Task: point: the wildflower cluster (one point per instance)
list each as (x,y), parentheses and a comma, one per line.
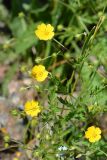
(32,108)
(59,93)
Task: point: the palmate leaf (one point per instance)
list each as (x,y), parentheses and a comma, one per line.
(26,40)
(24,36)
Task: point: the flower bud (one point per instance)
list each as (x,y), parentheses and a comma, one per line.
(79,155)
(100,14)
(23,68)
(67,55)
(38,136)
(6,145)
(53,142)
(33,122)
(54,55)
(14,112)
(47,137)
(7,138)
(38,60)
(37,87)
(6,46)
(36,153)
(60,27)
(21,15)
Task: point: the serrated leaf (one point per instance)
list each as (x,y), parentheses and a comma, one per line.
(65,102)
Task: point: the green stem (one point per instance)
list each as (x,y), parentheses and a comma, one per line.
(102,152)
(60,44)
(50,56)
(26,131)
(74,86)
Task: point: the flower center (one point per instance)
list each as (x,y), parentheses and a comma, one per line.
(46,33)
(40,74)
(94,135)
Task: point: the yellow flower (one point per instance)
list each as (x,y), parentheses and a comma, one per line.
(32,108)
(93,134)
(44,32)
(39,73)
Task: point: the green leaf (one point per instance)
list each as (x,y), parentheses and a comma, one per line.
(26,40)
(86,43)
(65,102)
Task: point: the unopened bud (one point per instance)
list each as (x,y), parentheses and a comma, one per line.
(47,137)
(21,14)
(38,135)
(6,145)
(36,154)
(37,87)
(53,142)
(38,60)
(67,55)
(7,138)
(79,155)
(90,108)
(23,68)
(6,46)
(54,55)
(60,27)
(14,112)
(33,122)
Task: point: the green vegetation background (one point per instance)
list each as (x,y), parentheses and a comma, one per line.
(74,21)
